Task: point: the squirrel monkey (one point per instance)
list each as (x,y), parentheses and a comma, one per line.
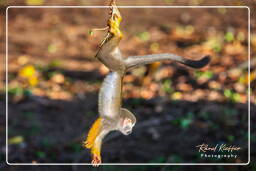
(112,115)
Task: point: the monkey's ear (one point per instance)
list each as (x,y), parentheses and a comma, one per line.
(93,133)
(128,114)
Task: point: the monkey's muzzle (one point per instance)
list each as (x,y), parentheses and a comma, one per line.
(128,132)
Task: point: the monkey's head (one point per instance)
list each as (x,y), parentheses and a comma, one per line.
(126,122)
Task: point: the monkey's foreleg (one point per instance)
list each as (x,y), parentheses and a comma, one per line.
(136,61)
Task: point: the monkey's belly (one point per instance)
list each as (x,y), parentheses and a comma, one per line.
(110,95)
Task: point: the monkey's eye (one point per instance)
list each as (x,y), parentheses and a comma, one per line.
(127,128)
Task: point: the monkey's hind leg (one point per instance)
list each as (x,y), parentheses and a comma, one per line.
(93,141)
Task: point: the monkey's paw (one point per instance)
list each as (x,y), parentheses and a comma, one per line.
(96,160)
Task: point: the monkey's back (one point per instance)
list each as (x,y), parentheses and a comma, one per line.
(110,95)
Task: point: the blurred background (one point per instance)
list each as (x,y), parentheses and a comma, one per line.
(54,81)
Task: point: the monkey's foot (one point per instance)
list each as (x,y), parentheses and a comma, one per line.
(96,160)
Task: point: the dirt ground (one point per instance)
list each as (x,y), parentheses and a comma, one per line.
(177,107)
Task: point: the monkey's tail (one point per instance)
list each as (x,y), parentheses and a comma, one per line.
(93,133)
(196,63)
(136,61)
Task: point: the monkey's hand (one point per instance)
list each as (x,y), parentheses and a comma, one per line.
(96,160)
(95,151)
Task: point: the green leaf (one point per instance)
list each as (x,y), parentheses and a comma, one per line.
(205,74)
(144,36)
(229,36)
(90,32)
(167,86)
(236,97)
(232,96)
(227,93)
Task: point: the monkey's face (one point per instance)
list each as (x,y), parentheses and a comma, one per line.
(126,126)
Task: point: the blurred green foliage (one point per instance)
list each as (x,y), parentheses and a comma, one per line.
(203,74)
(46,143)
(52,48)
(215,43)
(232,96)
(230,138)
(229,111)
(41,154)
(176,158)
(16,140)
(28,115)
(76,147)
(34,2)
(204,115)
(167,86)
(154,47)
(90,32)
(185,121)
(159,159)
(19,92)
(34,129)
(144,36)
(240,36)
(222,10)
(169,1)
(55,63)
(185,30)
(229,36)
